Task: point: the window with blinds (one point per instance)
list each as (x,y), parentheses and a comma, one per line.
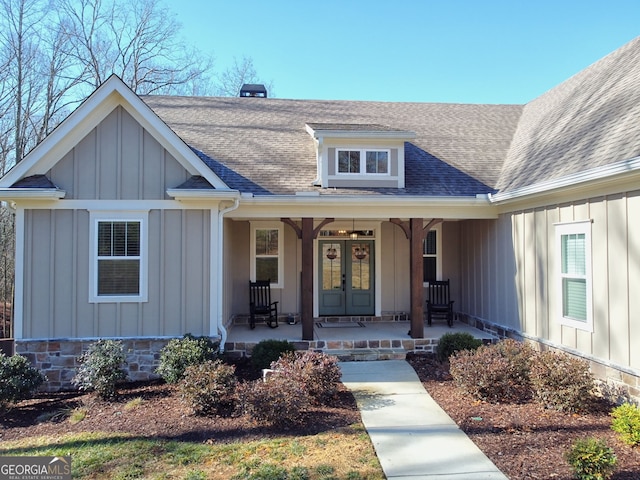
(574,242)
(118,257)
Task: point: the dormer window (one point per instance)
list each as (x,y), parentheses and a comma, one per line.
(359,155)
(363,161)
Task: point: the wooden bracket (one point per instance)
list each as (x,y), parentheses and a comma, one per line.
(403,225)
(298,229)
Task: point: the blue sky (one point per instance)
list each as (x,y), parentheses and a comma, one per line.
(459,51)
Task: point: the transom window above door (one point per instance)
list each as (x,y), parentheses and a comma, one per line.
(370,162)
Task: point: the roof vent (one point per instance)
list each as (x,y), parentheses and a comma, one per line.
(253,90)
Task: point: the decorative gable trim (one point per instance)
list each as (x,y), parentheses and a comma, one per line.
(87,116)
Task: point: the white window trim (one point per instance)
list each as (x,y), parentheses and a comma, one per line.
(438,230)
(268,226)
(363,162)
(117,216)
(561,229)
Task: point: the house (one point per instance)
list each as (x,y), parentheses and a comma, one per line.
(144,218)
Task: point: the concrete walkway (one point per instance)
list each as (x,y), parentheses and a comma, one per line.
(413,437)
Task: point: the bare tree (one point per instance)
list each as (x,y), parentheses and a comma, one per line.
(53,54)
(241,72)
(138,41)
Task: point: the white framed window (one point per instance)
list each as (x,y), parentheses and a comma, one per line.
(267,253)
(363,161)
(432,256)
(573,249)
(118,257)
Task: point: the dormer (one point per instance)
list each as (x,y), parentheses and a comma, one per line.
(359,155)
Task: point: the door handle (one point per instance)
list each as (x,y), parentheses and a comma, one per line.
(344,282)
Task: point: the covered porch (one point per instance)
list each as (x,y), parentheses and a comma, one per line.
(350,340)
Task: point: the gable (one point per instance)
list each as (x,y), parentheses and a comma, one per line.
(118,107)
(117,160)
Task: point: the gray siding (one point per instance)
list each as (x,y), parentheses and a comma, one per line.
(57,277)
(510,266)
(117,160)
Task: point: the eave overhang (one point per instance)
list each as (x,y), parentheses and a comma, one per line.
(201,194)
(374,207)
(616,177)
(17,194)
(363,132)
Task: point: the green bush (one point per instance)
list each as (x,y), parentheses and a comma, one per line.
(180,353)
(495,373)
(274,401)
(101,369)
(451,343)
(626,422)
(268,351)
(318,373)
(591,459)
(18,379)
(562,382)
(209,387)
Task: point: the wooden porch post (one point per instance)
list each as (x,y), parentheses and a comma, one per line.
(307,234)
(415,269)
(307,279)
(416,233)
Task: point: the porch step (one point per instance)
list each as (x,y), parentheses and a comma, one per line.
(367,354)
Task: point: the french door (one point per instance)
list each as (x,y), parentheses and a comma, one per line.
(346,283)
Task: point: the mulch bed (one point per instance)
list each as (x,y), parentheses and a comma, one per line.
(161,414)
(524,441)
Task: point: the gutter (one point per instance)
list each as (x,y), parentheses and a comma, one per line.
(594,176)
(220,323)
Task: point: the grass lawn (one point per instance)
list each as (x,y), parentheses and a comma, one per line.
(340,454)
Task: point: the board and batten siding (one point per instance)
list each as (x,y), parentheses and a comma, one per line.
(119,163)
(57,275)
(120,160)
(511,269)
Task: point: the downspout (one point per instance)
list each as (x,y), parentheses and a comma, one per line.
(221,214)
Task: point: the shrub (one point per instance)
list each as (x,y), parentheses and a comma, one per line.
(318,373)
(591,459)
(626,422)
(100,368)
(180,353)
(18,379)
(495,373)
(268,351)
(209,387)
(451,343)
(562,382)
(274,401)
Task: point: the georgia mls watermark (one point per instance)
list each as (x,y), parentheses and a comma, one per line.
(35,468)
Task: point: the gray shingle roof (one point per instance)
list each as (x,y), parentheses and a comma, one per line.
(590,120)
(262,146)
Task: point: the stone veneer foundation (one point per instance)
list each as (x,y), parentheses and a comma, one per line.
(58,359)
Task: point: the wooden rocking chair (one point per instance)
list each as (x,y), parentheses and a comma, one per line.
(438,303)
(260,304)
